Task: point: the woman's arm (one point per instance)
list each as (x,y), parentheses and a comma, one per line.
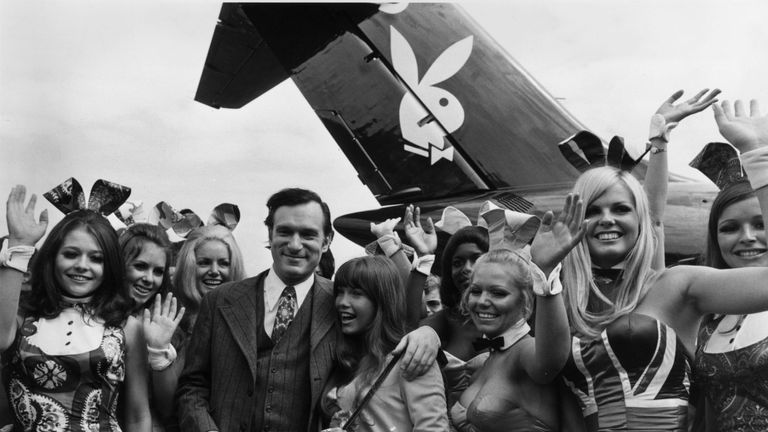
(159,327)
(656,178)
(23,233)
(137,417)
(544,359)
(744,290)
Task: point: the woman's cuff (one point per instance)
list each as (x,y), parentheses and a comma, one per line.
(390,244)
(17,257)
(423,264)
(544,286)
(160,359)
(755,164)
(659,128)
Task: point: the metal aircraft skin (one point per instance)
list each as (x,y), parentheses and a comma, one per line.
(427,107)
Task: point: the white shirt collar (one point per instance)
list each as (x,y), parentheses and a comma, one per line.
(514,334)
(274,286)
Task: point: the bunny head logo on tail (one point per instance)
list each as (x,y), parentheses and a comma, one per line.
(426,128)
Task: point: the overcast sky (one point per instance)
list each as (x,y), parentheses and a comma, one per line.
(105,90)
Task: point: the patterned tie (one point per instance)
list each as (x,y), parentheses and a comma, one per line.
(286,309)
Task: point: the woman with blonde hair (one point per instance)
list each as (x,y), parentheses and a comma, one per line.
(209,257)
(635,328)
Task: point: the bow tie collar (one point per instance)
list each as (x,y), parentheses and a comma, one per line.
(506,340)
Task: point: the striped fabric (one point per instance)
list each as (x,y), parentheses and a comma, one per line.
(634,377)
(218,387)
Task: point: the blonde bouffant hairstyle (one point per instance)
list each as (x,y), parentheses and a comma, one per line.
(577,266)
(185,284)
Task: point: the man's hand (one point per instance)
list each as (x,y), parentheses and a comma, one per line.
(421,347)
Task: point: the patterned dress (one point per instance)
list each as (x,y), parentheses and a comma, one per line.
(735,383)
(634,377)
(74,392)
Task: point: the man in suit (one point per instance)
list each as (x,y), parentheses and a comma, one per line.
(263,348)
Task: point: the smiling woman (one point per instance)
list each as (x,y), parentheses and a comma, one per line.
(209,257)
(147,254)
(71,336)
(370,301)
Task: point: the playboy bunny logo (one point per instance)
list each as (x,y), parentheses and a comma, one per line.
(418,125)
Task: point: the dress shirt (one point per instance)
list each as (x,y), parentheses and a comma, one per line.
(273,287)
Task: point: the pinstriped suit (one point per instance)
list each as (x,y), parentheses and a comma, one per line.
(216,388)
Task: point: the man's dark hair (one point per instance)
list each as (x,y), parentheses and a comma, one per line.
(327,264)
(292,197)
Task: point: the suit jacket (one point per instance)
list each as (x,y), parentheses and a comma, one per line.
(217,385)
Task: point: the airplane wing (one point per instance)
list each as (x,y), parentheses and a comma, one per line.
(419,98)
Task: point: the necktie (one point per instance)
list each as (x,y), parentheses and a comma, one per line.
(286,309)
(494,344)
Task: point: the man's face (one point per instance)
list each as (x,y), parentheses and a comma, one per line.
(297,241)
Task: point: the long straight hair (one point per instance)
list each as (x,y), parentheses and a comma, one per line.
(731,194)
(450,294)
(638,272)
(378,278)
(110,301)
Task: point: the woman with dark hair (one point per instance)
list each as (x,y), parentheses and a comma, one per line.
(370,300)
(147,254)
(730,366)
(452,324)
(69,346)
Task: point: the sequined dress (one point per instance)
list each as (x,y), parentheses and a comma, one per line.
(735,383)
(73,392)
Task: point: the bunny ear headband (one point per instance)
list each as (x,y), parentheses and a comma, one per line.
(182,222)
(105,196)
(585,150)
(720,163)
(507,229)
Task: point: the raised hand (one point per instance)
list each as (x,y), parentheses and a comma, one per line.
(22,227)
(384,228)
(423,240)
(745,131)
(160,326)
(675,113)
(557,236)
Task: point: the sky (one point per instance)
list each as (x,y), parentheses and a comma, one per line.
(92,89)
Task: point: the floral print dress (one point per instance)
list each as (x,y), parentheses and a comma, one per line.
(65,392)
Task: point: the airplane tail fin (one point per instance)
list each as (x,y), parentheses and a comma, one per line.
(420,99)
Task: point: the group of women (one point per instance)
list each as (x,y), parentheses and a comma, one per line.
(101,331)
(626,340)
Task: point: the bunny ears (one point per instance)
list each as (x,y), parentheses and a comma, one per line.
(182,222)
(507,229)
(585,150)
(720,163)
(105,196)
